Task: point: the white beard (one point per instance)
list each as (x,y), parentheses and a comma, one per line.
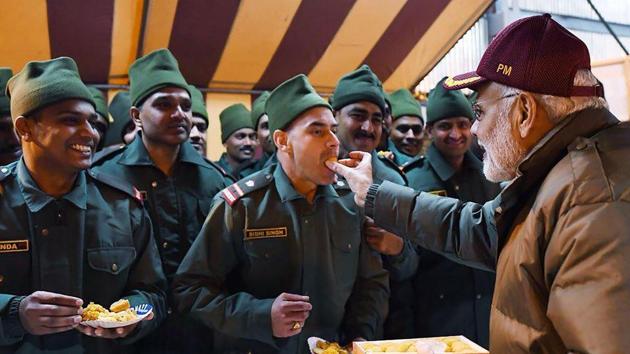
(502,155)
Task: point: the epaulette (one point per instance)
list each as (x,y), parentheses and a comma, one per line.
(5,171)
(107,153)
(234,192)
(116,184)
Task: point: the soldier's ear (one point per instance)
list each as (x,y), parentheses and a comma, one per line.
(280,140)
(23,128)
(134,112)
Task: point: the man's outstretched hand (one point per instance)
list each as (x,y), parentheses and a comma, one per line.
(357,170)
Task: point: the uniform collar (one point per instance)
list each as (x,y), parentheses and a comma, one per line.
(136,154)
(400,157)
(287,192)
(444,169)
(36,199)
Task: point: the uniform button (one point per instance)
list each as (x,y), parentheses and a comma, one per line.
(267,255)
(165,244)
(114,267)
(456,187)
(268,176)
(169,311)
(478,296)
(154,184)
(441,296)
(306,221)
(1,278)
(44,232)
(4,170)
(349,246)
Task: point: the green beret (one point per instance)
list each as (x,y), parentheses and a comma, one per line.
(152,72)
(198,103)
(443,103)
(42,83)
(119,110)
(258,108)
(359,85)
(101,103)
(5,103)
(292,98)
(233,118)
(404,104)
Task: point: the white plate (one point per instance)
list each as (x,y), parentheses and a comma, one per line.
(141,310)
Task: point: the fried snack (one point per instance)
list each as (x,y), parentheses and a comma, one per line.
(120,305)
(120,312)
(323,347)
(332,159)
(92,312)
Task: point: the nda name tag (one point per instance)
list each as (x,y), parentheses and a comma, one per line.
(440,192)
(14,246)
(272,232)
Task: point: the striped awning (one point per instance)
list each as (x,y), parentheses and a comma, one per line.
(239,46)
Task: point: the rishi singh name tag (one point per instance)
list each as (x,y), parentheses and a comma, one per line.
(271,232)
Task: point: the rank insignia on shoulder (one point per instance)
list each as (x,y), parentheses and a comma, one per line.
(235,191)
(232,193)
(440,192)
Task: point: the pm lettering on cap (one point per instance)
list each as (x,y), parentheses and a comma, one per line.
(505,69)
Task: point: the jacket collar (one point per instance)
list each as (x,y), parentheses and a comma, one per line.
(553,147)
(136,154)
(287,192)
(400,157)
(36,199)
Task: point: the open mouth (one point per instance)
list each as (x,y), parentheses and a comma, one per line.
(81,148)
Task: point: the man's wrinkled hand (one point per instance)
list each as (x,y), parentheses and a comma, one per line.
(288,313)
(44,312)
(357,170)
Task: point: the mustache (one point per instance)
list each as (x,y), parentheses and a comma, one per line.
(362,134)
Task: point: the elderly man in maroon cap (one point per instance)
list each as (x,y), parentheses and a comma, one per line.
(558,235)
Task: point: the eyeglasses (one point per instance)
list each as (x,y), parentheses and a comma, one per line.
(404,128)
(477,111)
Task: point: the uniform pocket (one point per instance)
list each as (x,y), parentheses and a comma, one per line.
(112,260)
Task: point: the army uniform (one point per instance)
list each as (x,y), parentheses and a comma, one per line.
(263,238)
(450,298)
(244,170)
(93,243)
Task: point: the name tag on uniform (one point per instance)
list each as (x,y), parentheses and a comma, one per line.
(271,232)
(14,246)
(440,192)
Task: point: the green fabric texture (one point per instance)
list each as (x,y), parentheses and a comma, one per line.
(404,104)
(443,104)
(101,103)
(152,72)
(42,83)
(198,103)
(359,85)
(119,110)
(290,99)
(5,103)
(258,108)
(233,118)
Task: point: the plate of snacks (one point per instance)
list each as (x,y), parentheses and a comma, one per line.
(321,346)
(120,314)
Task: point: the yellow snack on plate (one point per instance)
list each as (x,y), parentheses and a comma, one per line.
(120,305)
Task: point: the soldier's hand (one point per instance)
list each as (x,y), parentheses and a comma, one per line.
(288,313)
(111,333)
(381,240)
(44,312)
(357,170)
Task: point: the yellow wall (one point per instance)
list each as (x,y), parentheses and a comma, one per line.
(215,103)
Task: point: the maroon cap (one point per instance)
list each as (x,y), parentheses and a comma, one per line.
(534,54)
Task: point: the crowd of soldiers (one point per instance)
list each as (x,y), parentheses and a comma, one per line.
(324,217)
